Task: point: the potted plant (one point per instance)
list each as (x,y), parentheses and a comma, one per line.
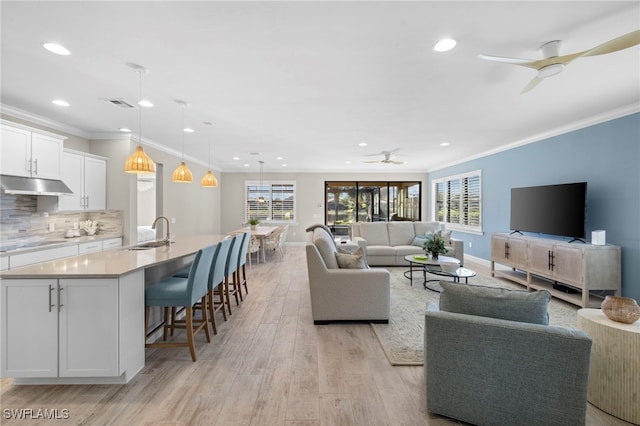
(253,222)
(435,245)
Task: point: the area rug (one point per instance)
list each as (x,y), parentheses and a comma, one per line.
(402,339)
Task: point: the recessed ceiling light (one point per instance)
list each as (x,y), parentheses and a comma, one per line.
(347,162)
(188,130)
(145,103)
(56,48)
(125,130)
(362,144)
(284,165)
(444,143)
(246,164)
(60,102)
(445,45)
(236,158)
(278,158)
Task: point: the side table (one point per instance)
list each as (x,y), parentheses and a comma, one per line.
(614,374)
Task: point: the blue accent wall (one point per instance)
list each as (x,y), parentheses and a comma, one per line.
(605,155)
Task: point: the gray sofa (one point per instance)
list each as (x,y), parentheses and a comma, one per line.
(339,294)
(491,371)
(387,243)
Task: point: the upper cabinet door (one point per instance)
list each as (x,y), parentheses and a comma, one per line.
(15,152)
(72,175)
(95,183)
(46,155)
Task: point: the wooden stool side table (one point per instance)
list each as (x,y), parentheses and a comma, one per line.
(614,373)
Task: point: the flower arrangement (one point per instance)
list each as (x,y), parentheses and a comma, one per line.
(435,245)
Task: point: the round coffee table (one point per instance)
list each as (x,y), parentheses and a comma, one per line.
(434,266)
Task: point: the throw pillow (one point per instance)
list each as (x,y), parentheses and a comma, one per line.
(419,240)
(350,261)
(513,305)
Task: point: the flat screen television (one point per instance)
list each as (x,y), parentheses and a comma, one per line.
(550,209)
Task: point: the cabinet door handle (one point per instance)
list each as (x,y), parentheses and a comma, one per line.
(29,166)
(51,305)
(60,305)
(87,202)
(36,170)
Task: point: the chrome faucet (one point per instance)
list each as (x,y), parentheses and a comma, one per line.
(167,238)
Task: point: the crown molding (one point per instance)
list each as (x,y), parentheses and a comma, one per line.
(576,125)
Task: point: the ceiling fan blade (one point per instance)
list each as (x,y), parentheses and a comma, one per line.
(516,61)
(372,161)
(618,43)
(533,83)
(396,162)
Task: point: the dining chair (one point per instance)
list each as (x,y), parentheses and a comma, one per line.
(254,247)
(242,262)
(230,271)
(183,292)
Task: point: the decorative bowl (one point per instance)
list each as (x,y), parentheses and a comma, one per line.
(621,309)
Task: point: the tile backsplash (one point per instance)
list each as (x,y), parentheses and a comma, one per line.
(20,220)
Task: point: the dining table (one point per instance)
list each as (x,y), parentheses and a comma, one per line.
(261,233)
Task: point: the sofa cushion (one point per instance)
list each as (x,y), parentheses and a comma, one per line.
(351,261)
(327,248)
(401,233)
(514,305)
(375,233)
(381,251)
(402,251)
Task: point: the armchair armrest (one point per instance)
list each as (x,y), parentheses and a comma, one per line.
(458,245)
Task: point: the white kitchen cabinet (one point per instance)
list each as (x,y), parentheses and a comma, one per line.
(89,247)
(29,328)
(60,328)
(111,243)
(86,176)
(30,152)
(4,263)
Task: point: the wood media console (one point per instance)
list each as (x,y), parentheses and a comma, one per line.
(574,272)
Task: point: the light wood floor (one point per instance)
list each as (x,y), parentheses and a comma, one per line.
(268,365)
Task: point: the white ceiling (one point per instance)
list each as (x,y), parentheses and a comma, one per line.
(309,81)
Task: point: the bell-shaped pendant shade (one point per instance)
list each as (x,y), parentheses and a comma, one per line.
(139,162)
(209,180)
(182,174)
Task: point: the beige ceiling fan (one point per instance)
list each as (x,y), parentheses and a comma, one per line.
(552,63)
(387,158)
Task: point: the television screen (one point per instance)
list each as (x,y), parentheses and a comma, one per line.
(551,209)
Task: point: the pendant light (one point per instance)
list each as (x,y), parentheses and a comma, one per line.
(261,198)
(139,161)
(209,180)
(182,174)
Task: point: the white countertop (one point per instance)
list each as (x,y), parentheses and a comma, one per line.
(115,262)
(62,242)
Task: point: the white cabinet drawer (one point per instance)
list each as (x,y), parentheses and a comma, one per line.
(24,259)
(111,243)
(90,247)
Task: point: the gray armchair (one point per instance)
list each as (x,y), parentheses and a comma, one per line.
(491,371)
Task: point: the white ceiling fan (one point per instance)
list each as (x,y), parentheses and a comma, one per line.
(552,63)
(387,158)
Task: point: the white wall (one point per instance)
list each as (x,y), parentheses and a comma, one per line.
(309,193)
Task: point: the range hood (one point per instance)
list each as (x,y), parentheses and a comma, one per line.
(32,186)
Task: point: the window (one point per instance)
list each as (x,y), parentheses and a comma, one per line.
(270,201)
(457,201)
(349,202)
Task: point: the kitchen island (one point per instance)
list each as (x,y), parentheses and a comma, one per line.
(80,319)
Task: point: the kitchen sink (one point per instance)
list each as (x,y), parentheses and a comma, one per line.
(148,245)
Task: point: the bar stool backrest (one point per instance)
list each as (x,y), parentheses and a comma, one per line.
(197,282)
(216,277)
(242,256)
(232,258)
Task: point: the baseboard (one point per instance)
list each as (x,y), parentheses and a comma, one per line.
(325,322)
